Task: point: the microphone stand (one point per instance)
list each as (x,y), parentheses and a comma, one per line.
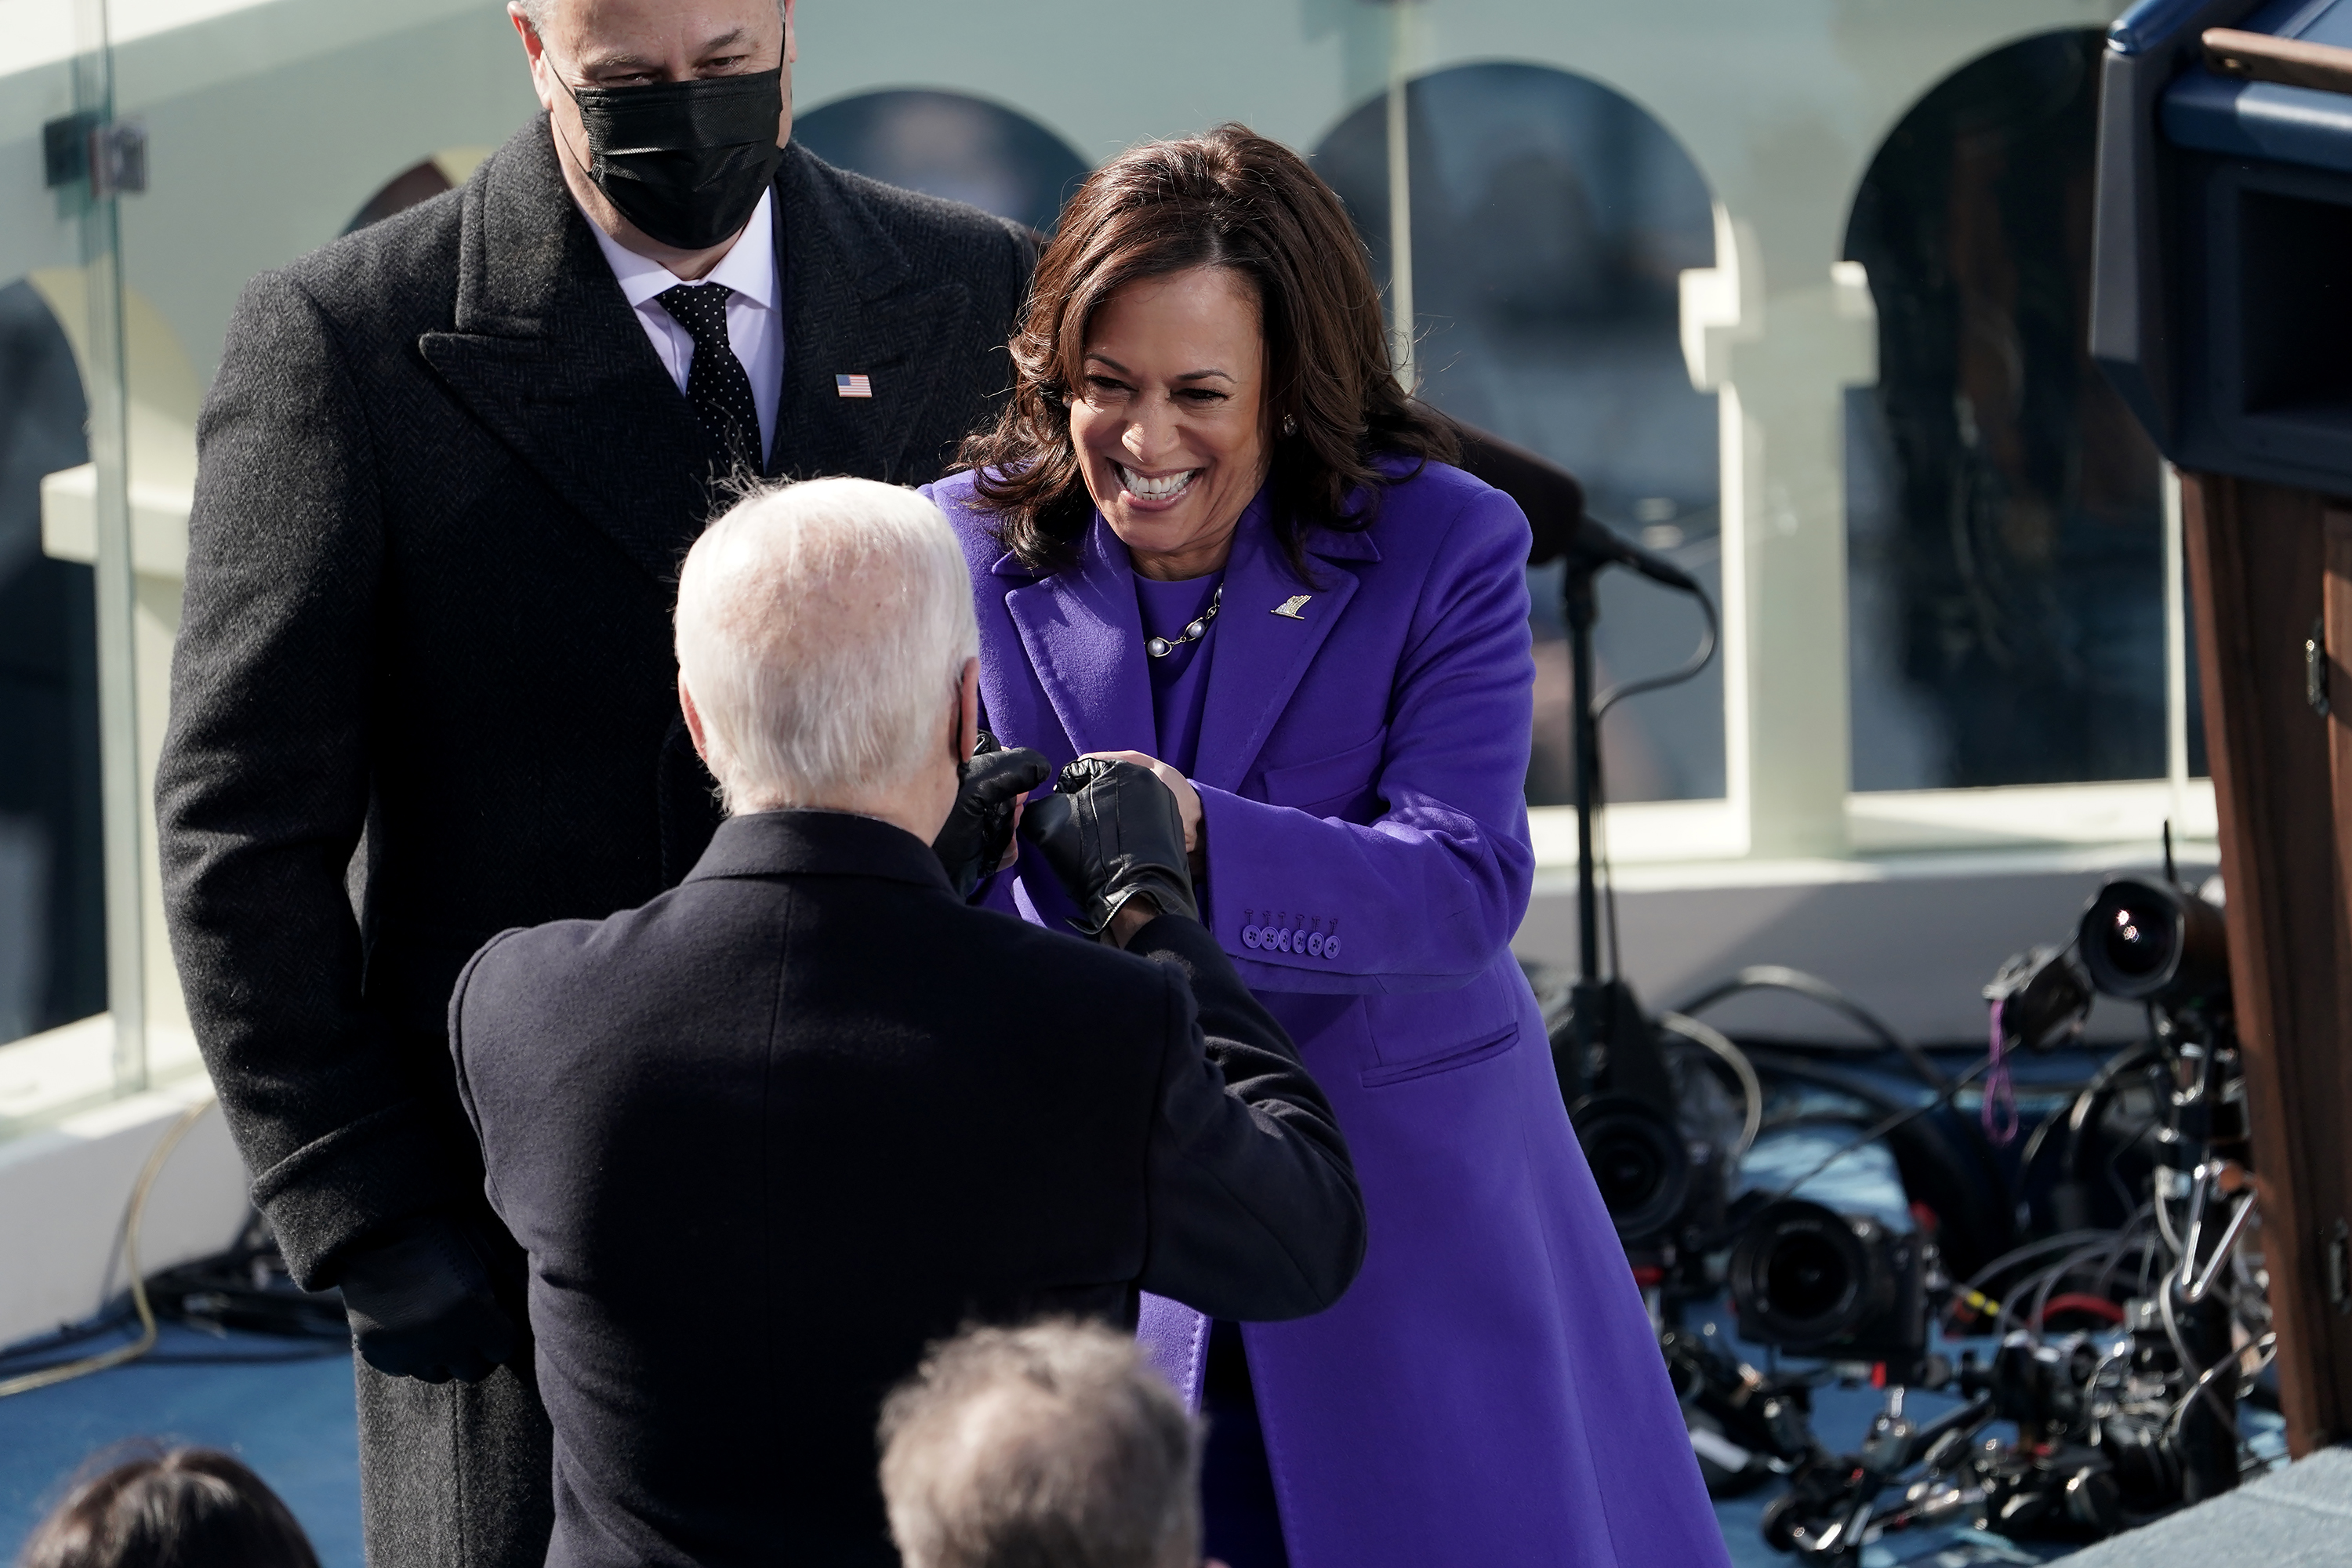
(1606,1025)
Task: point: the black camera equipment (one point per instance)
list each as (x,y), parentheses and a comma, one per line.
(1746,1426)
(1620,1093)
(1815,1282)
(2123,1352)
(2153,942)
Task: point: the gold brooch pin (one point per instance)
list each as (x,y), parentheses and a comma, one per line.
(1288,608)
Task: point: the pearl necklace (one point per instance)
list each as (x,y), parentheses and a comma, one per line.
(1159,647)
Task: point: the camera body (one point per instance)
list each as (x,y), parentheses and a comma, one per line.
(1816,1282)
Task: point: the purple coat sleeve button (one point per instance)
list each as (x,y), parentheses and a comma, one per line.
(1251,936)
(1332,946)
(1315,944)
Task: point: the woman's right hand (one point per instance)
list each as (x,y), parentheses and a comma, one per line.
(1112,835)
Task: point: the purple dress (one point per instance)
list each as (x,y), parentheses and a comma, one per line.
(1489,1391)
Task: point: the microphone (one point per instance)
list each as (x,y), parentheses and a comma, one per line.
(1554,503)
(1599,545)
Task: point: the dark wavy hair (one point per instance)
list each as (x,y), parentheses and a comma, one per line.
(1231,199)
(170,1507)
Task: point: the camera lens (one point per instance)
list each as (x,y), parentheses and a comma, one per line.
(1806,1276)
(1638,1161)
(1802,1276)
(2138,945)
(2150,940)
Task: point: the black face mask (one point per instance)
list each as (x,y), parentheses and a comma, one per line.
(685,160)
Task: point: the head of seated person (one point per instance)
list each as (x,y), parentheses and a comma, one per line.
(171,1508)
(826,652)
(1052,1446)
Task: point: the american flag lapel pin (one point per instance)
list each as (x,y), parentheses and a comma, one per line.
(853,385)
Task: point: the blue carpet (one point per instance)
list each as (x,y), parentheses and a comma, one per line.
(292,1422)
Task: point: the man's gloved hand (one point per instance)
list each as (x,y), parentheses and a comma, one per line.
(419,1299)
(979,828)
(1112,831)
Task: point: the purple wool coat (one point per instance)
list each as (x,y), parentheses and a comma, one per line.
(1489,1391)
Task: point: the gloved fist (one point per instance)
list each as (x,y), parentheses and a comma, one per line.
(419,1300)
(979,828)
(1112,831)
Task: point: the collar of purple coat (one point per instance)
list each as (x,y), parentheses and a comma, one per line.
(1084,636)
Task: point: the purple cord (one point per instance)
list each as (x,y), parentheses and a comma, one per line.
(1999,1126)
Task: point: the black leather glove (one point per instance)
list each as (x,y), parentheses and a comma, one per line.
(980,827)
(1110,831)
(419,1299)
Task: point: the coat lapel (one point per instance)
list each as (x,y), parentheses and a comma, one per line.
(1084,636)
(1261,656)
(547,354)
(855,311)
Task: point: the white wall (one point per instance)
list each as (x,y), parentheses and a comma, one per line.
(63,1191)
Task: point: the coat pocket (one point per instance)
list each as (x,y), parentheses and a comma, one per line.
(1326,786)
(1460,1057)
(1419,1030)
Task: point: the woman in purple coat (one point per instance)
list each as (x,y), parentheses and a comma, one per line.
(1211,535)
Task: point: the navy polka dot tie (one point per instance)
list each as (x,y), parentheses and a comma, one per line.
(714,379)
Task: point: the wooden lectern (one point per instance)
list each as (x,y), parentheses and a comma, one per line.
(2221,308)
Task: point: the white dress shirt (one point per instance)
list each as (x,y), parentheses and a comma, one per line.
(755,313)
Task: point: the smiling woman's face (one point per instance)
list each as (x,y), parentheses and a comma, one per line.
(1170,421)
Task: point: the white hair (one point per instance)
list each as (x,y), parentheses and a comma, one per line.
(822,629)
(1052,1443)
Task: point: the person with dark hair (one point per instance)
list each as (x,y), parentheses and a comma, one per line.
(1212,537)
(1048,1445)
(171,1508)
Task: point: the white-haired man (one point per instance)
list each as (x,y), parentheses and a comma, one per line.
(1051,1444)
(769,1134)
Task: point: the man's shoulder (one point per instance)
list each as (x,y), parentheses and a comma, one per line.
(938,236)
(1054,985)
(399,271)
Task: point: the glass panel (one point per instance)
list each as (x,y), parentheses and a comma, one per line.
(52,891)
(71,918)
(1551,218)
(946,144)
(2005,515)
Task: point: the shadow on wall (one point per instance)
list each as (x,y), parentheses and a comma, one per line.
(2005,520)
(1551,219)
(52,876)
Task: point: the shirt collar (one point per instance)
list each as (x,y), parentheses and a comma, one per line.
(749,268)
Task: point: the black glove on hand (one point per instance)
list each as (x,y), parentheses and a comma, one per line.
(1110,830)
(419,1300)
(980,825)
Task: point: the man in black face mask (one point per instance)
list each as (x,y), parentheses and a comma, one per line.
(424,687)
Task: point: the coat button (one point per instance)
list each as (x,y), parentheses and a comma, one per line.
(1252,936)
(1332,946)
(1315,944)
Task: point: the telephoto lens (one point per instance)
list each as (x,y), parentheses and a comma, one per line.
(2150,941)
